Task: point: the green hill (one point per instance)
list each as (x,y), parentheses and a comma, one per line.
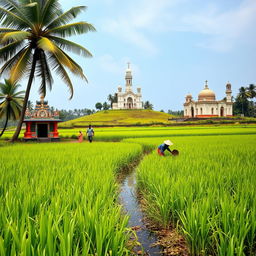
(120,118)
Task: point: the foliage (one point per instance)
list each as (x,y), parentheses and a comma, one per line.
(148,105)
(66,115)
(244,103)
(11,101)
(105,106)
(208,191)
(32,41)
(63,199)
(98,106)
(176,113)
(30,105)
(112,99)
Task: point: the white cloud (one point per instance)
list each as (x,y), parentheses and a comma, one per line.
(224,29)
(142,21)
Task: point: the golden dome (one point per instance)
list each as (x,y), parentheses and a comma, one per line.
(206,94)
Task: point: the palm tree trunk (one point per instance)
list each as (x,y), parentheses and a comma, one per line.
(5,125)
(24,107)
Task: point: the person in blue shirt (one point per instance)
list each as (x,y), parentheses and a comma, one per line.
(165,146)
(90,133)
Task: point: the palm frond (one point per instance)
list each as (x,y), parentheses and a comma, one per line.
(14,36)
(72,29)
(15,109)
(60,70)
(15,8)
(9,50)
(47,45)
(66,16)
(9,64)
(76,69)
(3,30)
(19,68)
(44,73)
(71,46)
(32,12)
(51,10)
(10,19)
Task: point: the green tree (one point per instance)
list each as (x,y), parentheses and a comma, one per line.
(242,98)
(11,102)
(148,105)
(112,99)
(98,106)
(251,91)
(105,106)
(32,41)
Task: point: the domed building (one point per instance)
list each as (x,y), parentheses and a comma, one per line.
(207,105)
(128,99)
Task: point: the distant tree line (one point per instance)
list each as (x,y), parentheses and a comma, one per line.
(176,112)
(244,103)
(66,115)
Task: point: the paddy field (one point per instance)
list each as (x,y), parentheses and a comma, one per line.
(63,198)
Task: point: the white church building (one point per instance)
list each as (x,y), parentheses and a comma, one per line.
(128,99)
(207,105)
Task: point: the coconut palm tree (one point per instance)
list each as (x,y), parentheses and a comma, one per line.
(242,96)
(11,102)
(32,43)
(251,90)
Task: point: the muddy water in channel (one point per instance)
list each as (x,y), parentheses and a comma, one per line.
(133,209)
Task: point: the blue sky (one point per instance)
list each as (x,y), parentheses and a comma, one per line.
(173,47)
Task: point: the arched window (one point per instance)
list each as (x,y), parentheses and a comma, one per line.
(212,111)
(201,111)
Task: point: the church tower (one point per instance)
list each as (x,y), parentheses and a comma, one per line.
(128,99)
(128,79)
(228,92)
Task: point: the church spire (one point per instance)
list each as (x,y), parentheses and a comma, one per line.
(128,78)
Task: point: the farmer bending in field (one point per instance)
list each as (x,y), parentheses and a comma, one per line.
(90,133)
(165,146)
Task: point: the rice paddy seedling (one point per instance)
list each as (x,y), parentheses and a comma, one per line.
(119,133)
(210,190)
(61,199)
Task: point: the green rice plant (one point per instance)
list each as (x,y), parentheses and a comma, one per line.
(119,133)
(209,190)
(62,199)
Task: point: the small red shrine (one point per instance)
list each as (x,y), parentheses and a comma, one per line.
(41,123)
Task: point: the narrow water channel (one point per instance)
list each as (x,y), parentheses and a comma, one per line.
(133,209)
